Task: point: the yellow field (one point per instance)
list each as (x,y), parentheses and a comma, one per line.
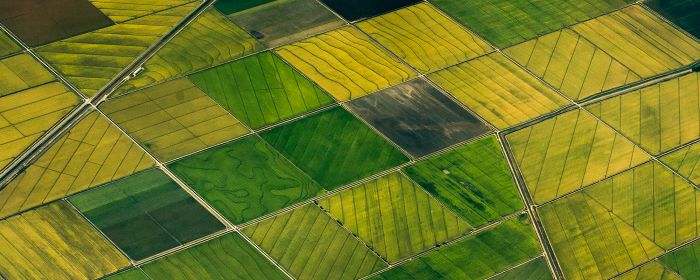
(26,115)
(652,270)
(94,152)
(20,72)
(686,161)
(124,10)
(498,90)
(571,64)
(55,242)
(173,119)
(424,37)
(641,41)
(345,63)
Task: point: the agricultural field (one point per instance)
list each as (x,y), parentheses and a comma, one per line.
(332,147)
(245,179)
(652,270)
(173,119)
(21,72)
(683,13)
(125,10)
(424,37)
(7,45)
(684,261)
(146,213)
(532,270)
(417,117)
(55,242)
(498,90)
(131,274)
(261,89)
(473,180)
(232,6)
(311,245)
(354,10)
(395,217)
(685,161)
(346,63)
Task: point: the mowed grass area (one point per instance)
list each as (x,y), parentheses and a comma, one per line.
(476,257)
(26,115)
(424,37)
(685,161)
(92,153)
(572,64)
(21,72)
(125,10)
(533,270)
(652,270)
(245,179)
(498,90)
(311,245)
(55,242)
(571,150)
(261,89)
(641,40)
(507,22)
(226,257)
(7,45)
(209,40)
(173,119)
(683,13)
(473,180)
(658,117)
(684,261)
(345,63)
(333,147)
(146,213)
(395,217)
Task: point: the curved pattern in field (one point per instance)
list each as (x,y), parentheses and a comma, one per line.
(346,63)
(93,152)
(21,72)
(424,37)
(245,179)
(571,150)
(311,245)
(658,117)
(572,64)
(533,270)
(7,45)
(124,10)
(686,162)
(652,270)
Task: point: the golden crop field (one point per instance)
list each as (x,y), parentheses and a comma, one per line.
(124,10)
(20,72)
(686,161)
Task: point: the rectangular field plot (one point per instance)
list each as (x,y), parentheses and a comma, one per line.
(641,41)
(7,45)
(21,72)
(533,270)
(424,37)
(571,150)
(473,180)
(508,22)
(686,161)
(226,257)
(395,217)
(173,119)
(311,245)
(55,242)
(92,153)
(498,90)
(334,147)
(261,89)
(572,64)
(286,21)
(245,179)
(475,257)
(652,270)
(353,10)
(684,261)
(346,63)
(418,117)
(146,213)
(683,13)
(124,10)
(658,117)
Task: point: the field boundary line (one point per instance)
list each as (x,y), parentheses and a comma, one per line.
(517,266)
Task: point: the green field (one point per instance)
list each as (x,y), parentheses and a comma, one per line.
(332,147)
(475,257)
(311,245)
(686,161)
(7,45)
(395,217)
(683,13)
(652,270)
(131,274)
(232,6)
(125,10)
(533,270)
(684,261)
(245,179)
(21,72)
(473,180)
(226,257)
(261,89)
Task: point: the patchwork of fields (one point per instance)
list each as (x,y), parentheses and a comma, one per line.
(349,139)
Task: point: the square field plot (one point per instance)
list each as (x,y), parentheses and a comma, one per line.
(284,21)
(21,72)
(334,147)
(37,22)
(684,13)
(418,117)
(146,213)
(245,179)
(353,10)
(346,63)
(424,37)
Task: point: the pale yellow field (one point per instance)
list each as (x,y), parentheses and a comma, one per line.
(123,10)
(424,37)
(686,161)
(346,63)
(173,119)
(55,242)
(498,90)
(26,115)
(94,152)
(20,72)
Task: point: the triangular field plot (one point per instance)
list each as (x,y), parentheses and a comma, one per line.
(125,10)
(686,161)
